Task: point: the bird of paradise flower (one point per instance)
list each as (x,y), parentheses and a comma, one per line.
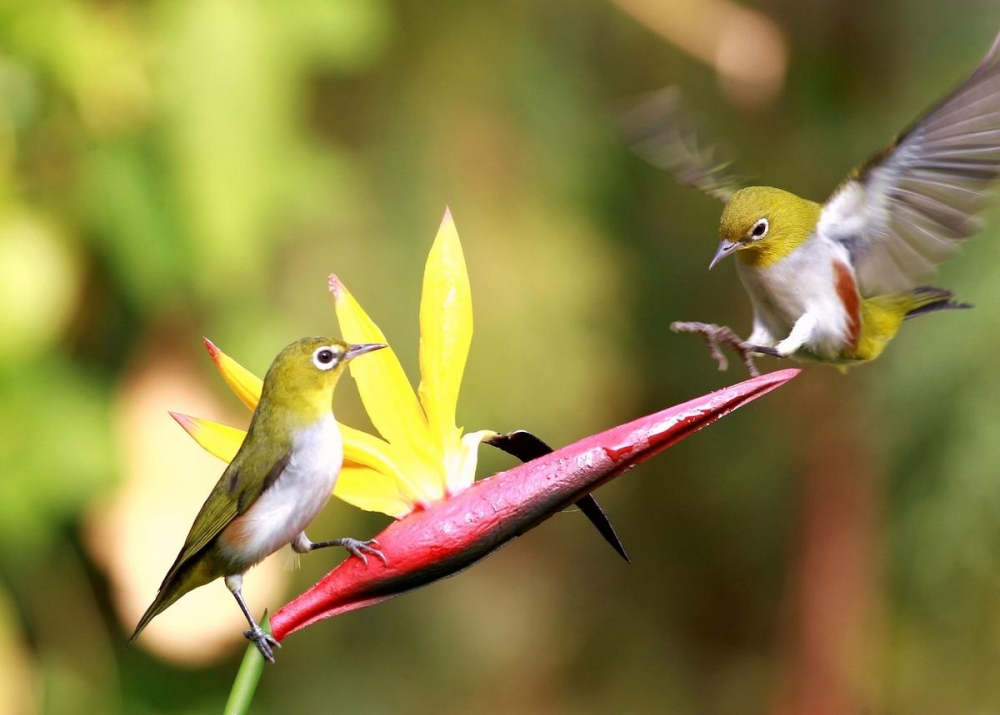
(422,456)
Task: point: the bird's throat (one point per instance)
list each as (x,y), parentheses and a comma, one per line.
(760,256)
(770,251)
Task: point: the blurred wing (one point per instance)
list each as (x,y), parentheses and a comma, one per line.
(235,492)
(659,132)
(906,210)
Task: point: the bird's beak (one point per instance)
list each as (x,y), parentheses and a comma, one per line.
(725,248)
(361,349)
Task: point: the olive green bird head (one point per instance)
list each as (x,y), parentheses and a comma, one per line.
(765,225)
(303,376)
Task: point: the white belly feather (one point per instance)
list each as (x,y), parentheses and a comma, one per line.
(296,497)
(799,284)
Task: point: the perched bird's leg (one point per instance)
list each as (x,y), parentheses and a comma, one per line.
(718,335)
(257,635)
(356,547)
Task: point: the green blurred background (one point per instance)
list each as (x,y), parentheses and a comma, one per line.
(177,168)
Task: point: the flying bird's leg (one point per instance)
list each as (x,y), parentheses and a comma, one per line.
(718,335)
(264,641)
(356,547)
(801,333)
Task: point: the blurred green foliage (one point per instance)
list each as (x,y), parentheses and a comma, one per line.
(173,168)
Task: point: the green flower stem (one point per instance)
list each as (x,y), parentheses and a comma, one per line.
(245,684)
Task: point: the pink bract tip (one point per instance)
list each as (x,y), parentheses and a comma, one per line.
(210,346)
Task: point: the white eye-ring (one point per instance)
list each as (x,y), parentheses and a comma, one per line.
(759,229)
(326,357)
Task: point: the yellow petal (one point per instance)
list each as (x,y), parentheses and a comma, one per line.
(371,490)
(364,450)
(462,466)
(445,331)
(217,439)
(385,392)
(244,383)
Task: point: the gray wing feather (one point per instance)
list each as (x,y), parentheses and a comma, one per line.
(659,131)
(917,200)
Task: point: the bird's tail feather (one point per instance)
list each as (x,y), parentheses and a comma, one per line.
(162,601)
(177,583)
(928,299)
(883,315)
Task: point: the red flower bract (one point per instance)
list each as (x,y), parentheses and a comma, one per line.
(453,534)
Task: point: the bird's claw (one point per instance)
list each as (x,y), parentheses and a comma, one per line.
(357,547)
(264,641)
(718,335)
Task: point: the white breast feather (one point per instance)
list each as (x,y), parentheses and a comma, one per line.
(801,283)
(299,494)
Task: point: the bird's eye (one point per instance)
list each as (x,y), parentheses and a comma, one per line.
(326,357)
(759,229)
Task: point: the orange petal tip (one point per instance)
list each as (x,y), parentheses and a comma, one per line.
(213,351)
(181,419)
(334,285)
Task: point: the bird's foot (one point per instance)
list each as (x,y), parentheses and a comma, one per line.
(264,641)
(718,335)
(355,547)
(359,548)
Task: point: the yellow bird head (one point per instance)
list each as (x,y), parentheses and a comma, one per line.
(303,376)
(765,225)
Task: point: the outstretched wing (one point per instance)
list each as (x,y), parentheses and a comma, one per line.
(659,132)
(907,209)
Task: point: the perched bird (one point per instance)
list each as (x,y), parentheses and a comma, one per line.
(279,480)
(833,282)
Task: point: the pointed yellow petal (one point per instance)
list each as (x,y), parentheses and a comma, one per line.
(217,439)
(445,331)
(244,383)
(462,467)
(386,393)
